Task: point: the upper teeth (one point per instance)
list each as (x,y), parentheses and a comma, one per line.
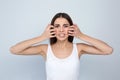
(62,35)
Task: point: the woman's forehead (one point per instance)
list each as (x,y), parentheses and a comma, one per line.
(61,21)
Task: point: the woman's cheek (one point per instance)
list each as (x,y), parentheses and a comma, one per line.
(56,31)
(66,31)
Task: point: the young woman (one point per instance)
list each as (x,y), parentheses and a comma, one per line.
(62,55)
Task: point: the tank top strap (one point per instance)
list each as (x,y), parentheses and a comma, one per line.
(75,51)
(50,55)
(48,52)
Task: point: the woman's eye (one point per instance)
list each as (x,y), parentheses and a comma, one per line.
(65,26)
(56,26)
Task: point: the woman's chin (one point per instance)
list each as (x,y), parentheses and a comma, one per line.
(62,38)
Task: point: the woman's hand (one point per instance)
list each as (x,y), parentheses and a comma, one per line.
(49,32)
(74,31)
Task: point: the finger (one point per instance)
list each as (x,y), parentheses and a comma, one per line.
(71,31)
(48,26)
(53,35)
(51,27)
(74,24)
(70,34)
(71,27)
(52,30)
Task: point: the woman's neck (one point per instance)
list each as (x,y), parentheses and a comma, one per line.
(62,44)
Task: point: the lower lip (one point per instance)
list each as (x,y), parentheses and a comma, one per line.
(62,36)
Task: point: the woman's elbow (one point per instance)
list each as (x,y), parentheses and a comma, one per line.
(13,51)
(109,51)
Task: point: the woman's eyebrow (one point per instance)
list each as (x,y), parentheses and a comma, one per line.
(63,24)
(66,24)
(56,24)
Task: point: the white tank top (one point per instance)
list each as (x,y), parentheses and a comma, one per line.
(62,69)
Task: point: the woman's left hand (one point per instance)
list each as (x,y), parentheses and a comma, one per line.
(74,31)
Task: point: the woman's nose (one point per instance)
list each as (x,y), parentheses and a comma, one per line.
(61,29)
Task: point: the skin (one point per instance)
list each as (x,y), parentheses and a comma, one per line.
(62,48)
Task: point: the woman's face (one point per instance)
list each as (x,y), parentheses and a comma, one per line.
(61,26)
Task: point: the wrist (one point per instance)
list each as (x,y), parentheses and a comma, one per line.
(42,37)
(81,35)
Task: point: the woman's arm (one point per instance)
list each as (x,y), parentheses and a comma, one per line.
(26,47)
(95,46)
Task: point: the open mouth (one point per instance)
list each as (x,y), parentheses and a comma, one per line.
(61,35)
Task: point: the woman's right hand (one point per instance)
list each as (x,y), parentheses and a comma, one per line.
(49,32)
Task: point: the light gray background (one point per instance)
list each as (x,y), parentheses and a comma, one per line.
(25,19)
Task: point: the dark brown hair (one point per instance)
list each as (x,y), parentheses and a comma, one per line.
(66,16)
